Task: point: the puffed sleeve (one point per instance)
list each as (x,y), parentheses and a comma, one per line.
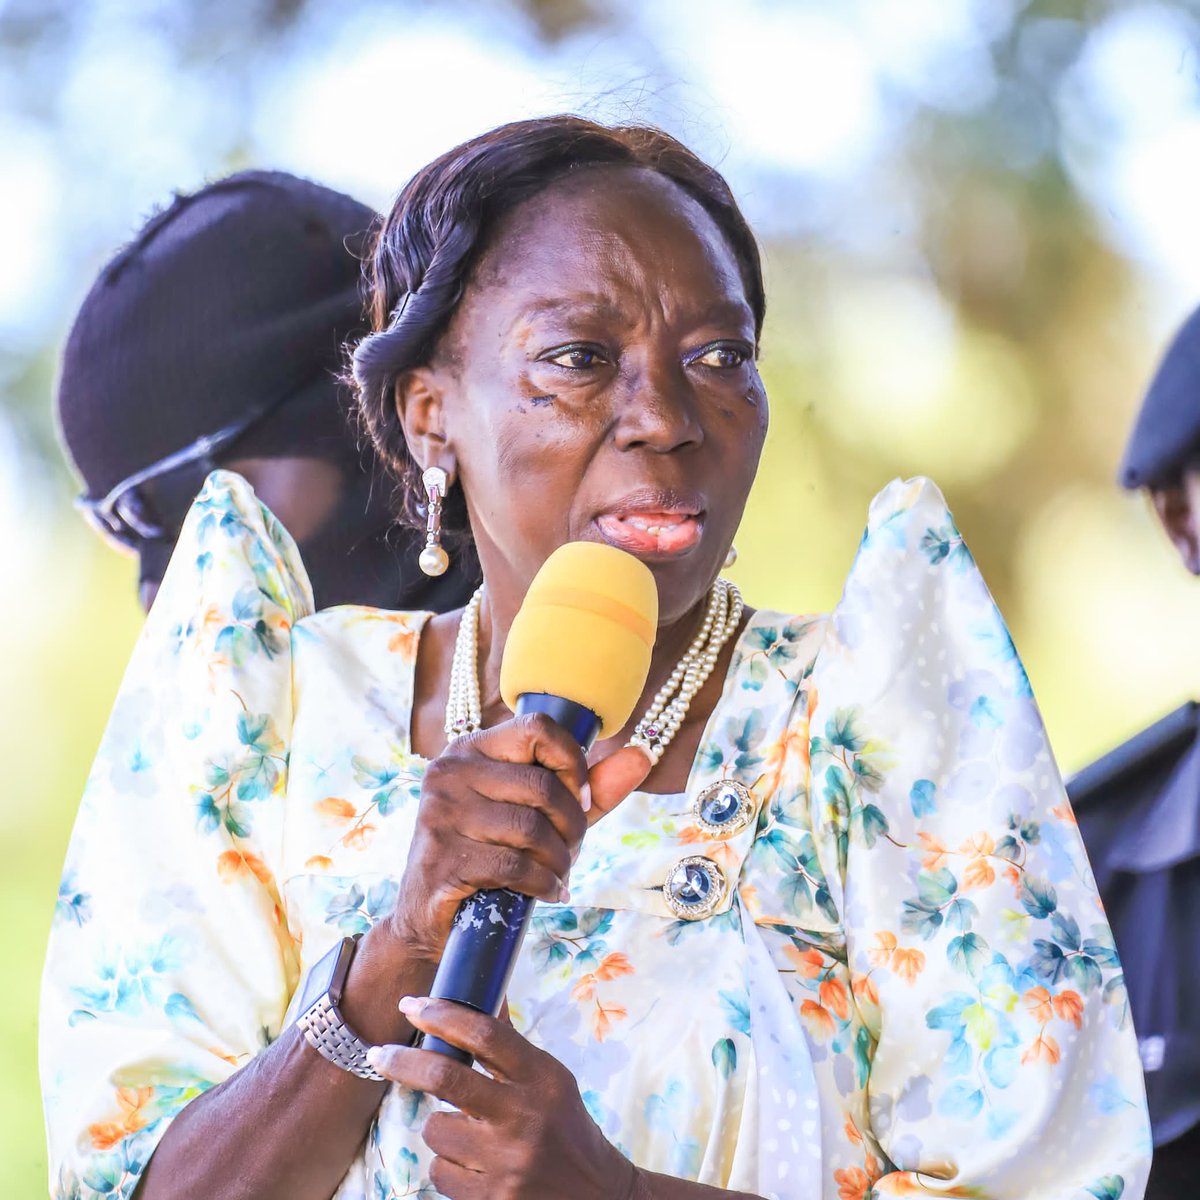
(170,964)
(967,900)
(938,898)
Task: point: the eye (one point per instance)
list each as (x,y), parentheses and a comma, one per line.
(721,356)
(576,357)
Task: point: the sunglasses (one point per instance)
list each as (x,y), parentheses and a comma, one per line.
(128,514)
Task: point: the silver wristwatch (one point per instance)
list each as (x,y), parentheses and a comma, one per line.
(321,1022)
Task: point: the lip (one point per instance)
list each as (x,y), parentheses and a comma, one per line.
(654,524)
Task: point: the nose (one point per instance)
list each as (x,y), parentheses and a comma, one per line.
(658,411)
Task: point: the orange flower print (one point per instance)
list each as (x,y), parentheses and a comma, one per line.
(612,966)
(853,1183)
(1037,1001)
(908,964)
(818,1020)
(132,1103)
(318,862)
(833,996)
(604,1016)
(404,643)
(334,808)
(881,955)
(852,1131)
(936,852)
(359,838)
(233,864)
(1043,1047)
(864,991)
(1069,1007)
(809,963)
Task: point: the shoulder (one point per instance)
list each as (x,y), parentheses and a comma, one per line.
(232,560)
(362,635)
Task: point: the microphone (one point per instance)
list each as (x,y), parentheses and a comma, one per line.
(578,651)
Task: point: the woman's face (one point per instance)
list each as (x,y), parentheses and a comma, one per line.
(598,383)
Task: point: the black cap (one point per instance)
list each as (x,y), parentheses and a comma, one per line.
(232,297)
(1166,434)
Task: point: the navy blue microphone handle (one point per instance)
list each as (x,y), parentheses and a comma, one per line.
(482,948)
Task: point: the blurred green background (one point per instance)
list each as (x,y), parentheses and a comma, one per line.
(979,220)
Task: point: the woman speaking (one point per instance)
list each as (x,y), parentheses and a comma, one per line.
(815,924)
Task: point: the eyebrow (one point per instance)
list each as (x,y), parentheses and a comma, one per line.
(597,305)
(591,305)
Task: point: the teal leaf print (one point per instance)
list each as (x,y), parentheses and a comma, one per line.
(1083,971)
(1108,1187)
(73,905)
(960,1099)
(736,1010)
(1038,897)
(1001,1065)
(1048,960)
(662,1107)
(873,823)
(250,634)
(840,730)
(1100,947)
(862,1056)
(354,912)
(179,1007)
(1066,931)
(756,675)
(935,892)
(945,544)
(968,953)
(923,798)
(724,1056)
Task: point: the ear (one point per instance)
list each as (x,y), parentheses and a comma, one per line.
(1181,520)
(419,401)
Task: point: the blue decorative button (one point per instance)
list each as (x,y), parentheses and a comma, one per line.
(695,888)
(724,808)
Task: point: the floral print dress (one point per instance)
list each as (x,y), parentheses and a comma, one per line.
(908,987)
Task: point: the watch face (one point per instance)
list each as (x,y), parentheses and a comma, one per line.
(316,982)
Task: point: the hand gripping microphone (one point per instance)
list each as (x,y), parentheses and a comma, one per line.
(579,651)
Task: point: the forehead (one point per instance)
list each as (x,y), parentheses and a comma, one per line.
(613,232)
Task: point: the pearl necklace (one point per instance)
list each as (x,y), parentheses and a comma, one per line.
(660,722)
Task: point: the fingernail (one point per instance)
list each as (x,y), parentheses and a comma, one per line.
(374,1057)
(411,1006)
(564,894)
(585,797)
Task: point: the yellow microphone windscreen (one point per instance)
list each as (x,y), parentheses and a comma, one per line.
(585,632)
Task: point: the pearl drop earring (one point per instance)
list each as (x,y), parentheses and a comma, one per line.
(433,559)
(730,557)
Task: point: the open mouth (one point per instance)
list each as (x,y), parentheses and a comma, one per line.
(649,533)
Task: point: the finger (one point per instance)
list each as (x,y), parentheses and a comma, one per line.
(534,738)
(458,1182)
(614,777)
(496,1046)
(458,1139)
(521,785)
(436,1075)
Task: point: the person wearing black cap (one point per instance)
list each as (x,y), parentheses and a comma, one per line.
(1163,455)
(1138,807)
(215,339)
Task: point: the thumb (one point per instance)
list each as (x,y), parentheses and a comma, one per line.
(614,777)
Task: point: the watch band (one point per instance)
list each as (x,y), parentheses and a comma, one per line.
(325,1030)
(330,1036)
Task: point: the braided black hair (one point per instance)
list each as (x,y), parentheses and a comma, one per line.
(437,229)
